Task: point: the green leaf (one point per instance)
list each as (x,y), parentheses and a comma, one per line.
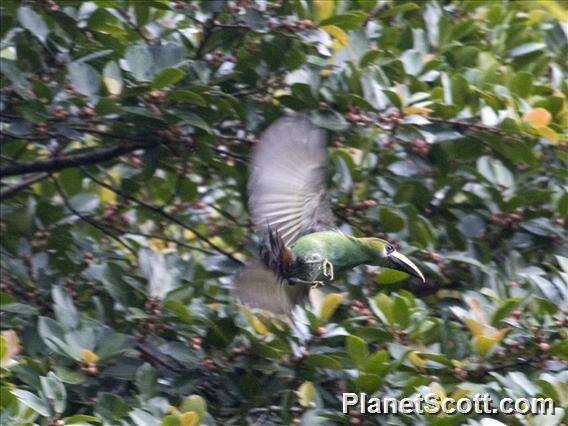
(560,349)
(382,306)
(357,350)
(196,121)
(400,311)
(54,391)
(146,381)
(185,95)
(64,307)
(329,305)
(525,49)
(495,171)
(390,220)
(30,400)
(140,61)
(81,419)
(348,21)
(33,22)
(504,310)
(369,382)
(390,276)
(112,78)
(167,77)
(171,420)
(84,78)
(194,403)
(322,361)
(396,9)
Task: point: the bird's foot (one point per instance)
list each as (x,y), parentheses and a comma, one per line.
(328,270)
(317,284)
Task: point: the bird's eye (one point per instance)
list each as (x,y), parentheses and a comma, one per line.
(389,248)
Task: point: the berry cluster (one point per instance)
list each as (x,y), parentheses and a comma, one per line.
(357,116)
(153,322)
(420,147)
(217,57)
(291,25)
(507,220)
(90,368)
(393,118)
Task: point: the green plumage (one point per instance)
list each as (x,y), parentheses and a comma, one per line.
(289,204)
(343,251)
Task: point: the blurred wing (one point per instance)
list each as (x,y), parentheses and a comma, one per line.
(258,287)
(287,183)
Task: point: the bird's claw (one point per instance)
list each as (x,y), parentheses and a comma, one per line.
(328,270)
(317,284)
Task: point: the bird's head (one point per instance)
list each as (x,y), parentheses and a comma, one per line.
(383,253)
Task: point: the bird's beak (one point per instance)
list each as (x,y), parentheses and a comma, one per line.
(403,263)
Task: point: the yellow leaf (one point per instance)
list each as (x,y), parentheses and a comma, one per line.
(280,92)
(188,235)
(191,418)
(194,403)
(476,328)
(416,360)
(483,344)
(305,394)
(457,363)
(323,9)
(10,345)
(555,8)
(548,133)
(88,356)
(538,117)
(460,393)
(329,306)
(107,196)
(256,323)
(437,389)
(338,34)
(113,86)
(417,110)
(157,244)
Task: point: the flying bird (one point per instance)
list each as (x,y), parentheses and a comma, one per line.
(301,246)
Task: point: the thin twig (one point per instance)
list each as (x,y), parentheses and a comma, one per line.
(12,190)
(161,212)
(158,237)
(134,26)
(154,359)
(478,127)
(73,159)
(87,219)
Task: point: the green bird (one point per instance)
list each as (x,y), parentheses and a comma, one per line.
(301,246)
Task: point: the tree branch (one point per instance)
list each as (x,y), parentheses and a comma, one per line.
(73,160)
(161,212)
(478,127)
(11,191)
(87,219)
(158,237)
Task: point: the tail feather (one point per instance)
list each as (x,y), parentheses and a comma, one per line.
(276,255)
(259,287)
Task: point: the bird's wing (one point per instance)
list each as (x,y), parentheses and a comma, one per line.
(259,287)
(286,187)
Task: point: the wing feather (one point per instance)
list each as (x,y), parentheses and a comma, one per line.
(259,287)
(287,183)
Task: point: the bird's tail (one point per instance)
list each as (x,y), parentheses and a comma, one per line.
(259,287)
(275,255)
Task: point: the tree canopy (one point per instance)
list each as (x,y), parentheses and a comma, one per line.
(126,131)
